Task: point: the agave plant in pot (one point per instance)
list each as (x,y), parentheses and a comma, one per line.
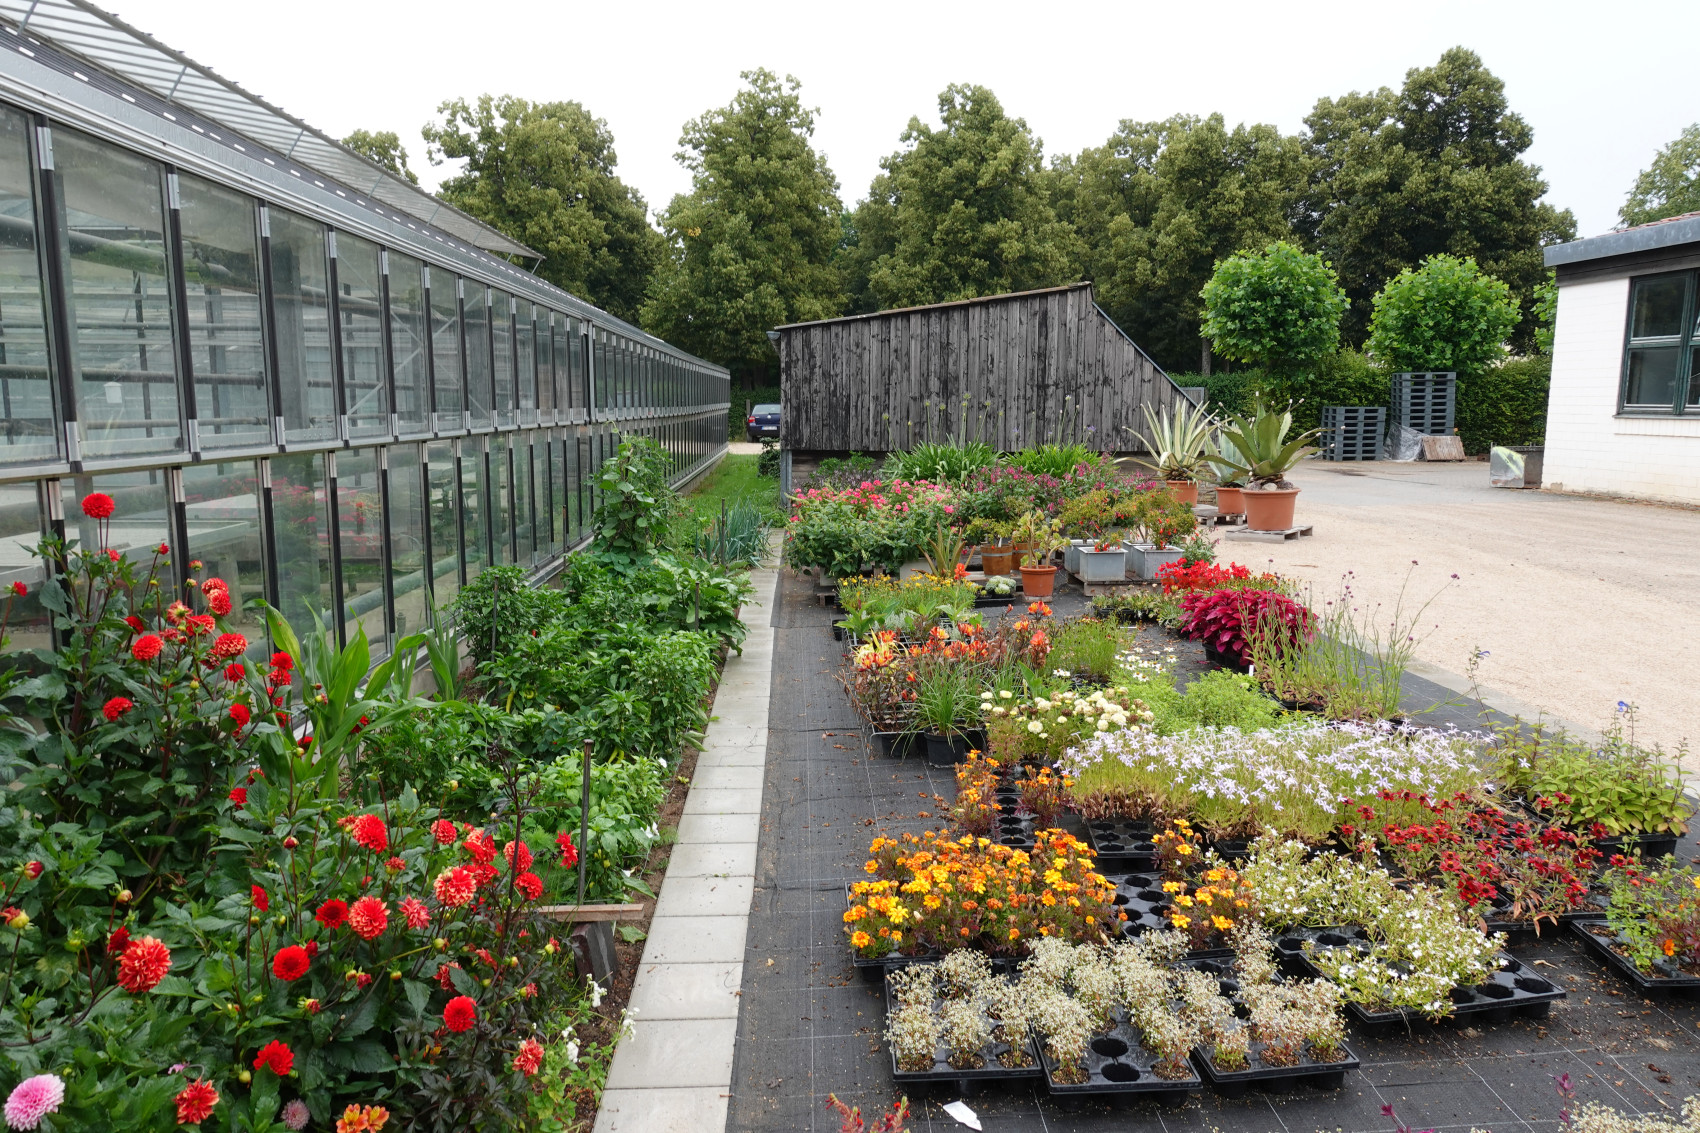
(1043,539)
(1177,443)
(1230,481)
(1263,453)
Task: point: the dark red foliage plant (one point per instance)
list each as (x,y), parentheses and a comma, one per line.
(1220,619)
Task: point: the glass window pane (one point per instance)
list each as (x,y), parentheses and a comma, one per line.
(545,366)
(221,269)
(139,524)
(445,350)
(1694,376)
(525,358)
(224,534)
(1657,312)
(576,395)
(1652,377)
(29,428)
(408,344)
(407,540)
(558,493)
(365,388)
(502,340)
(525,539)
(501,501)
(301,313)
(444,516)
(360,539)
(301,531)
(474,510)
(113,216)
(478,393)
(21,529)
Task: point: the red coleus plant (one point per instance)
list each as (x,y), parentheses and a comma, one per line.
(1220,619)
(1517,868)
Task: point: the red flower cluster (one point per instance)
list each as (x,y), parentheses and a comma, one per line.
(240,714)
(258,894)
(444,831)
(455,886)
(239,796)
(291,962)
(217,593)
(569,852)
(144,963)
(459,1014)
(415,912)
(116,707)
(146,647)
(332,913)
(1224,619)
(369,917)
(98,505)
(529,1059)
(195,1102)
(276,1057)
(229,645)
(369,831)
(118,941)
(1201,576)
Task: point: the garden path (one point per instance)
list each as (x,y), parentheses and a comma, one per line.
(808,1026)
(1581,602)
(673,1072)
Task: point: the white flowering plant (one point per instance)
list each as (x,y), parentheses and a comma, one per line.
(1042,727)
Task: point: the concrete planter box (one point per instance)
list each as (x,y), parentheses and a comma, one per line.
(1071,554)
(1147,558)
(1102,566)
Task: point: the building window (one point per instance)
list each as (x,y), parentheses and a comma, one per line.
(1661,368)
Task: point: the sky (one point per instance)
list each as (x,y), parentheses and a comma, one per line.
(1603,86)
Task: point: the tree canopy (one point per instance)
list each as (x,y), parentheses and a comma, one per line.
(961,212)
(1398,176)
(752,245)
(1279,308)
(382,148)
(1445,315)
(1668,187)
(543,173)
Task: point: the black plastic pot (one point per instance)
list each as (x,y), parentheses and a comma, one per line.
(1601,940)
(1223,660)
(945,751)
(1117,1063)
(896,745)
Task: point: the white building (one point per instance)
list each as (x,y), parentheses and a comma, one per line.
(1624,412)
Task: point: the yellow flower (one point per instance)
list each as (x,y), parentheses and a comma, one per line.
(1180,920)
(870,866)
(1223,924)
(1183,901)
(860,939)
(1173,886)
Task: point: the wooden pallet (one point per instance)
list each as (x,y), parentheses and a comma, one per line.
(1246,534)
(1219,520)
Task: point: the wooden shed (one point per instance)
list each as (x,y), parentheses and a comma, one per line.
(1011,370)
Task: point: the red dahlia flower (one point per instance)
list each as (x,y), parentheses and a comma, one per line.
(455,886)
(144,963)
(276,1057)
(235,671)
(98,505)
(444,831)
(291,962)
(116,707)
(415,912)
(529,1060)
(519,850)
(282,661)
(332,913)
(240,714)
(258,894)
(569,852)
(146,647)
(459,1014)
(529,884)
(369,831)
(239,796)
(481,846)
(218,602)
(118,941)
(20,589)
(195,1102)
(229,645)
(369,917)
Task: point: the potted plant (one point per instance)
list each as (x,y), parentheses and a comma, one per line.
(1161,520)
(1230,481)
(1177,446)
(996,555)
(1104,560)
(1264,454)
(1042,540)
(946,699)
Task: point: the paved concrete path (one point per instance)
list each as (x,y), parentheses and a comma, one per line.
(1581,602)
(673,1073)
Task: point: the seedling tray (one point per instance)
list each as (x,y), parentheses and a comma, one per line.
(1141,897)
(873,969)
(1514,988)
(1666,976)
(1648,846)
(1307,1071)
(1122,843)
(943,1071)
(1117,1063)
(1013,830)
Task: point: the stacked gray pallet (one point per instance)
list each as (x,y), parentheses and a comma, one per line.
(1352,432)
(1425,402)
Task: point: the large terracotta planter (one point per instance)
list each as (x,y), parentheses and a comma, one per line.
(1269,510)
(1038,582)
(1229,501)
(997,560)
(1186,491)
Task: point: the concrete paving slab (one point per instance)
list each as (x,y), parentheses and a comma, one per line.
(705,896)
(719,828)
(670,1110)
(687,991)
(712,859)
(743,755)
(675,1052)
(728,777)
(712,800)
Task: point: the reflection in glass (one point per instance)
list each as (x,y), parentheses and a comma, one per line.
(21,529)
(407,540)
(221,269)
(224,534)
(524,537)
(501,500)
(525,362)
(576,391)
(443,514)
(29,429)
(301,530)
(360,542)
(408,344)
(1652,377)
(301,313)
(1658,307)
(445,349)
(558,493)
(502,339)
(1694,376)
(365,389)
(478,392)
(474,510)
(112,213)
(545,366)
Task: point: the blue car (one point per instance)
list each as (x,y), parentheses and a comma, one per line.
(763,422)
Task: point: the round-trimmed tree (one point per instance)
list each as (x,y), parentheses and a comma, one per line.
(1447,314)
(1279,308)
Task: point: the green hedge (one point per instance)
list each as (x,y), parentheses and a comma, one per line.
(736,417)
(1505,406)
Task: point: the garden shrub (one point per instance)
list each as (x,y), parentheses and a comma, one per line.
(1220,618)
(637,503)
(499,607)
(1505,404)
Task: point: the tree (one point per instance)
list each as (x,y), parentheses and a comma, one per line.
(1160,203)
(1446,315)
(543,173)
(1668,187)
(961,212)
(382,148)
(1397,177)
(1279,308)
(753,243)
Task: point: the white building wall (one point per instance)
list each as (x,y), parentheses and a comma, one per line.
(1588,447)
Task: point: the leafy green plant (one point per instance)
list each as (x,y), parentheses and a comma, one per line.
(1041,536)
(694,595)
(500,607)
(637,503)
(1087,647)
(1221,699)
(1619,784)
(947,697)
(1177,441)
(942,462)
(1262,451)
(739,536)
(943,551)
(1053,459)
(1279,308)
(1444,315)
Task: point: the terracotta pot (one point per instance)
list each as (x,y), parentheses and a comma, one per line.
(1269,510)
(997,560)
(1038,582)
(1229,501)
(1186,491)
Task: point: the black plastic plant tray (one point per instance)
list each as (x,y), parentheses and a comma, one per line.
(1013,830)
(1498,923)
(1141,897)
(896,745)
(1513,988)
(1122,843)
(1305,1072)
(874,968)
(943,1071)
(1117,1063)
(1665,977)
(1654,845)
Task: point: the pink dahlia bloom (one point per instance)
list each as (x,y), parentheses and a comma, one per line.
(33,1099)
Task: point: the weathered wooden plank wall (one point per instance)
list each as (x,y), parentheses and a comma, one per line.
(1011,370)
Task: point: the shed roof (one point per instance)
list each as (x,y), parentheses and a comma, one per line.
(940,306)
(1652,236)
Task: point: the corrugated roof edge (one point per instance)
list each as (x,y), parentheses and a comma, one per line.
(939,306)
(1684,229)
(500,241)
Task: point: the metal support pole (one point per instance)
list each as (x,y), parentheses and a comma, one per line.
(583,822)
